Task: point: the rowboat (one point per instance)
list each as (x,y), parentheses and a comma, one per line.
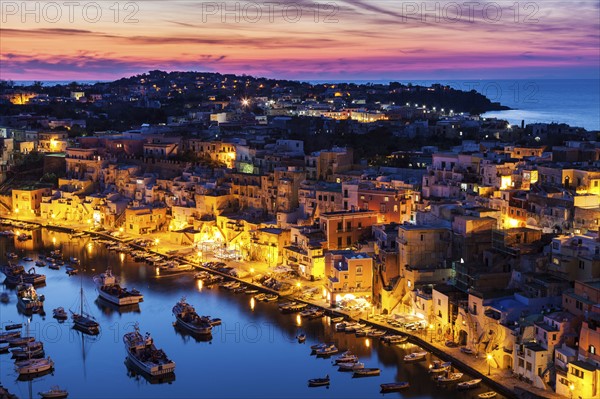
(415,356)
(469,384)
(487,395)
(394,386)
(451,377)
(350,366)
(319,382)
(366,372)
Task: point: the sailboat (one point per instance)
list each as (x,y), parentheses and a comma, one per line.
(33,366)
(82,321)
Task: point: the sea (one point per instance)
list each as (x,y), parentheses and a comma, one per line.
(253,354)
(572,101)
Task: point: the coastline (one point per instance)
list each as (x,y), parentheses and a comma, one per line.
(496,381)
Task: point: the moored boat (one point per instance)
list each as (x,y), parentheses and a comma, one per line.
(327,351)
(450,377)
(319,382)
(15,326)
(4,298)
(338,319)
(439,367)
(60,314)
(29,300)
(190,320)
(487,395)
(84,322)
(394,339)
(466,350)
(301,338)
(394,386)
(110,290)
(415,356)
(366,372)
(469,384)
(33,366)
(143,353)
(351,366)
(55,393)
(5,336)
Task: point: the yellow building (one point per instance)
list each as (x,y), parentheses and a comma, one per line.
(581,381)
(26,201)
(145,219)
(348,273)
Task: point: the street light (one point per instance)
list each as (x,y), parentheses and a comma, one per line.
(571,388)
(489,360)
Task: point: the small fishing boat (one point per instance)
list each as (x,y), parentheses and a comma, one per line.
(340,327)
(40,263)
(338,319)
(5,336)
(316,347)
(54,266)
(55,392)
(394,386)
(19,341)
(350,366)
(375,333)
(439,367)
(450,377)
(271,297)
(415,356)
(4,348)
(4,297)
(466,350)
(33,366)
(319,382)
(469,384)
(27,259)
(13,326)
(346,357)
(394,339)
(60,314)
(250,291)
(366,372)
(487,395)
(301,338)
(260,297)
(327,351)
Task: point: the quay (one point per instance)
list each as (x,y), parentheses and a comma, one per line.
(498,381)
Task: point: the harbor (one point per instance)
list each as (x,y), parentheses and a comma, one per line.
(248,325)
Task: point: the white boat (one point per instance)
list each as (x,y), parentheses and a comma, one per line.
(450,377)
(110,290)
(190,320)
(466,350)
(33,366)
(55,393)
(469,384)
(415,356)
(29,300)
(350,366)
(487,395)
(327,351)
(143,353)
(439,367)
(394,339)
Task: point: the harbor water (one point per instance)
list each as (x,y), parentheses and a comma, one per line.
(253,354)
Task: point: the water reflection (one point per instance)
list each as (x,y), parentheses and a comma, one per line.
(109,308)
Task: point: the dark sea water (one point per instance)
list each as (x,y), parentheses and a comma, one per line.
(253,354)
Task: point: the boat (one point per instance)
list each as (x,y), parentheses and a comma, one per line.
(340,327)
(4,348)
(5,336)
(111,291)
(143,353)
(375,333)
(60,314)
(271,297)
(250,291)
(174,267)
(40,263)
(55,393)
(292,308)
(71,272)
(346,357)
(466,350)
(54,266)
(351,366)
(301,338)
(19,341)
(415,356)
(82,321)
(487,395)
(29,300)
(319,382)
(11,255)
(327,351)
(394,339)
(13,326)
(260,297)
(439,367)
(188,318)
(74,260)
(338,319)
(318,346)
(394,386)
(450,377)
(33,366)
(366,372)
(27,259)
(32,350)
(4,298)
(15,274)
(469,384)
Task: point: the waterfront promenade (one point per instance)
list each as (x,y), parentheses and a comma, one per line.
(501,380)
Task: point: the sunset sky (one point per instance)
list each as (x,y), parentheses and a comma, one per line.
(363,39)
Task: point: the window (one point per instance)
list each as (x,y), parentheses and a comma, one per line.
(521,363)
(582,265)
(339,242)
(340,226)
(386,199)
(348,241)
(348,226)
(528,366)
(577,373)
(358,269)
(592,350)
(422,237)
(554,337)
(439,302)
(345,277)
